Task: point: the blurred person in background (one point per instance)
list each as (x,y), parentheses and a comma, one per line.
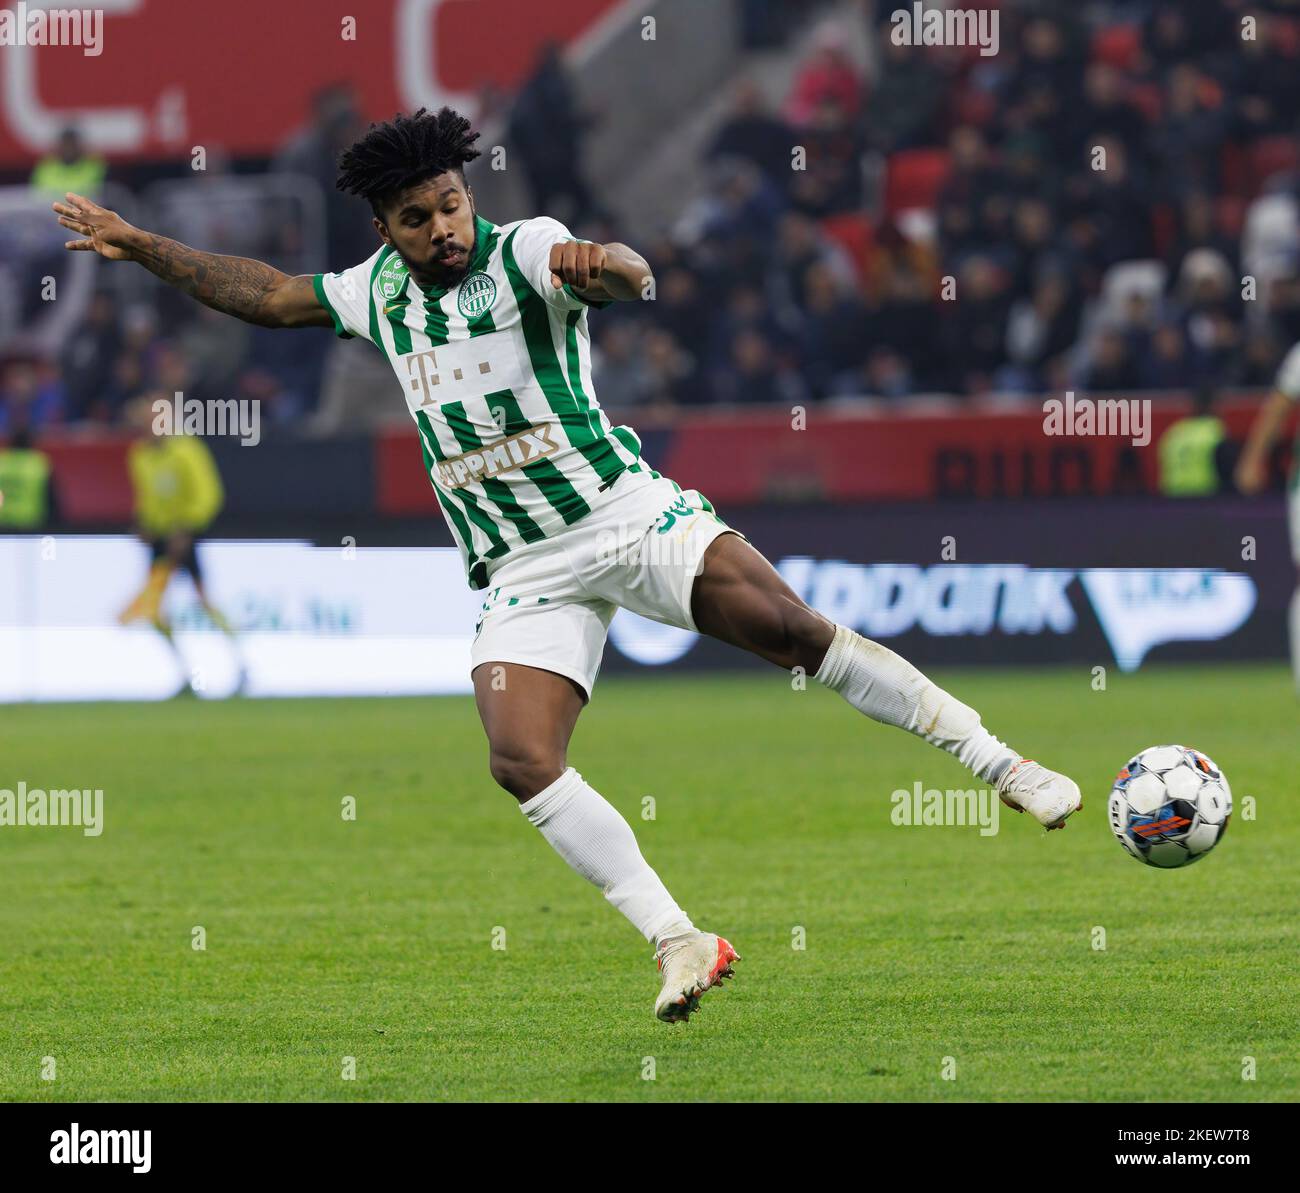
(829,74)
(1208,308)
(903,106)
(88,359)
(1254,466)
(31,395)
(335,123)
(831,180)
(754,133)
(177,495)
(547,130)
(26,499)
(1193,451)
(69,168)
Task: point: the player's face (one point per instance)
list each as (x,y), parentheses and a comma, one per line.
(431,225)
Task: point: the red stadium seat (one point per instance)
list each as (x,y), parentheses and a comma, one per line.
(1269,156)
(1119,46)
(1164,227)
(1234,170)
(853,232)
(1230,215)
(970,105)
(914,179)
(1148,99)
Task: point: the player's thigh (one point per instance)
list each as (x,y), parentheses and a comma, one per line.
(534,664)
(648,549)
(740,598)
(528,714)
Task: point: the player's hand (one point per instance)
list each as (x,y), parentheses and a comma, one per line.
(1251,475)
(577,262)
(105,232)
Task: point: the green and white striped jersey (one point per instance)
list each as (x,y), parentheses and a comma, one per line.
(497,375)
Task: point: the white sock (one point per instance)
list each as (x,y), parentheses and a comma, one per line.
(588,833)
(886,687)
(1295,637)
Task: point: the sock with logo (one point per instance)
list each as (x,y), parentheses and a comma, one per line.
(887,688)
(588,833)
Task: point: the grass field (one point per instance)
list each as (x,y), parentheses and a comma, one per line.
(328,938)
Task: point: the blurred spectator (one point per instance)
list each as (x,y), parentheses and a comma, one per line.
(831,180)
(755,134)
(1165,365)
(1040,328)
(1193,451)
(1209,310)
(974,328)
(1111,365)
(1187,140)
(906,99)
(547,131)
(831,336)
(885,374)
(1265,80)
(31,396)
(828,75)
(756,373)
(335,123)
(1107,114)
(25,493)
(69,168)
(88,360)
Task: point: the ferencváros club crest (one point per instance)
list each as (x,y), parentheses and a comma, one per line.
(477,293)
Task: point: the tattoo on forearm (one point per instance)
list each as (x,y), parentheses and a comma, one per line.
(236,286)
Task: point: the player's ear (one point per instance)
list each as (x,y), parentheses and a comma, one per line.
(382,229)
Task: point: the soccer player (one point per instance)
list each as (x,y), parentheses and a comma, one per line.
(1252,471)
(558,519)
(178,493)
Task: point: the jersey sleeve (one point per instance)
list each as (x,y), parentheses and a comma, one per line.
(531,245)
(1288,376)
(347,297)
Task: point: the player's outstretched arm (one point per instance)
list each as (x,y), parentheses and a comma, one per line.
(249,290)
(1252,468)
(600,272)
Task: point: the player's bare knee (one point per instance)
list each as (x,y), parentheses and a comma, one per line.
(524,773)
(806,635)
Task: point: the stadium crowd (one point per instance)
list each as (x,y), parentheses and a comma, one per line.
(1077,211)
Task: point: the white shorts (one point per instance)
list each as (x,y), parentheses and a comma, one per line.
(549,604)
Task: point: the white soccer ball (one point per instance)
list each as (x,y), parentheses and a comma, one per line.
(1170,806)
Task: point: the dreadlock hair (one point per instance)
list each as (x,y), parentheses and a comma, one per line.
(404,151)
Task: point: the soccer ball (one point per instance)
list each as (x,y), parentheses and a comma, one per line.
(1169,806)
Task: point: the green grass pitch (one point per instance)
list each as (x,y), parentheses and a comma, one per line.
(373,939)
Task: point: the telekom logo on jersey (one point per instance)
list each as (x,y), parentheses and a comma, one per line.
(421,367)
